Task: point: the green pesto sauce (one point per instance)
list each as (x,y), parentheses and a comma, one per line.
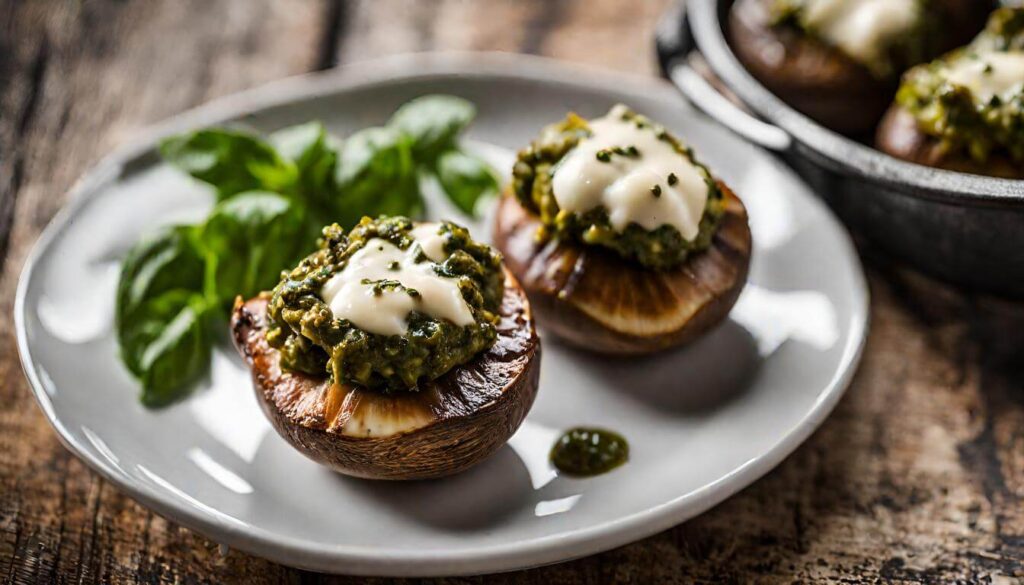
(311,340)
(585,451)
(952,114)
(661,248)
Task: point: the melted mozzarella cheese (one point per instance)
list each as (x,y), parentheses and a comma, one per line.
(350,293)
(863,29)
(988,75)
(623,184)
(431,241)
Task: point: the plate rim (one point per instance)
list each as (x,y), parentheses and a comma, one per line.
(364,560)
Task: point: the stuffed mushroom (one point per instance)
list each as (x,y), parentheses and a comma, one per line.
(965,111)
(839,61)
(395,351)
(623,240)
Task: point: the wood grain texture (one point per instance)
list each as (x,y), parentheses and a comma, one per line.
(79,79)
(916,478)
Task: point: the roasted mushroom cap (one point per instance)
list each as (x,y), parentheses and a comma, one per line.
(900,136)
(594,299)
(447,426)
(821,81)
(812,77)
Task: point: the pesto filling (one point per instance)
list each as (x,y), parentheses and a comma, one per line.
(661,248)
(963,122)
(312,340)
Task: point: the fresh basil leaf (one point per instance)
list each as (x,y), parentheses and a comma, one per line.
(315,154)
(376,176)
(160,262)
(432,122)
(466,179)
(249,239)
(231,161)
(172,346)
(373,153)
(300,143)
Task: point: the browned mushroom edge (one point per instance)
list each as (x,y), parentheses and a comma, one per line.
(453,422)
(594,299)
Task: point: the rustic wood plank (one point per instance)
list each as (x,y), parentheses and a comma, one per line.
(603,33)
(79,78)
(916,478)
(375,28)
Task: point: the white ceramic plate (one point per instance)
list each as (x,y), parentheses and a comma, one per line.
(703,422)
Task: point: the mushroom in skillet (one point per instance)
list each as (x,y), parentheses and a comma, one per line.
(395,351)
(965,111)
(839,61)
(624,242)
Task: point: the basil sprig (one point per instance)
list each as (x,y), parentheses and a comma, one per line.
(272,196)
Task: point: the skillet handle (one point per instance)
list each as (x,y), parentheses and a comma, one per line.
(674,42)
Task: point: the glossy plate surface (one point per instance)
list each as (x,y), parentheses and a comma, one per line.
(703,422)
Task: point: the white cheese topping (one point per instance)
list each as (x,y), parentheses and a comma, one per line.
(431,240)
(863,29)
(625,185)
(988,75)
(350,293)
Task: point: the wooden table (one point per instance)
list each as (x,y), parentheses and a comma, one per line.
(917,476)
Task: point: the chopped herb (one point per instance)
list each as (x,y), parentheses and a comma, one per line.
(605,154)
(672,179)
(630,151)
(656,190)
(394,265)
(379,286)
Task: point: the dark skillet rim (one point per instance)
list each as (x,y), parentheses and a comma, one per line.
(834,150)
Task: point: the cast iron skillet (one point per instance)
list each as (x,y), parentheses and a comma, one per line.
(963,228)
